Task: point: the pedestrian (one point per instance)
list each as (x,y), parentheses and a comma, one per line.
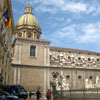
(38,93)
(30,94)
(48,94)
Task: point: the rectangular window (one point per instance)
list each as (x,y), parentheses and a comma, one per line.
(32,51)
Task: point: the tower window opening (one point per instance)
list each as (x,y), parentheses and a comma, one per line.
(29,35)
(79,77)
(20,34)
(29,10)
(38,36)
(90,77)
(32,50)
(67,76)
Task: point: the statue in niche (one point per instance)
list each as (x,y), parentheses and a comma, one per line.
(86,83)
(91,84)
(58,86)
(65,85)
(97,81)
(62,83)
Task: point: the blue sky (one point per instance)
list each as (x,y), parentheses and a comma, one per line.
(66,23)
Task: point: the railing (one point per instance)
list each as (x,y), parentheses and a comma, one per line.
(79,94)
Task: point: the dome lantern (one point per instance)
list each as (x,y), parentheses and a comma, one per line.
(28,9)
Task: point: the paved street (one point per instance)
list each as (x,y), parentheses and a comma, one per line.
(34,98)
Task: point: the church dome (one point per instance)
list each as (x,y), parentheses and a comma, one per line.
(28,19)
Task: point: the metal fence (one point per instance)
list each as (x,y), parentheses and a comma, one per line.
(79,94)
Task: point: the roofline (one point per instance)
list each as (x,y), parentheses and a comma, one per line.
(72,50)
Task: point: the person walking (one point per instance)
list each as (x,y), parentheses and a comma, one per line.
(48,94)
(38,93)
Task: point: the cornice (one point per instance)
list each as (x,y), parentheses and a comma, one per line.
(58,67)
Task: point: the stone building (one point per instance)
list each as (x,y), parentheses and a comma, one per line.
(36,64)
(5,42)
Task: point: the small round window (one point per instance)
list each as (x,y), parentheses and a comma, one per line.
(69,57)
(89,59)
(79,58)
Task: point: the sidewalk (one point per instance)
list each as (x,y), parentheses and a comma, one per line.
(34,98)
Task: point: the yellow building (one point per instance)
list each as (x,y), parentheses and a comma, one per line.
(5,42)
(36,64)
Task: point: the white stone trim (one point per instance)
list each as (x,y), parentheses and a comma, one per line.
(19,75)
(48,56)
(44,56)
(44,81)
(33,35)
(22,35)
(25,35)
(16,49)
(48,79)
(20,53)
(15,72)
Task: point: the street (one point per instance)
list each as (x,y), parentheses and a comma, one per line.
(34,98)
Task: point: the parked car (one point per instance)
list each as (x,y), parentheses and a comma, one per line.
(17,90)
(6,96)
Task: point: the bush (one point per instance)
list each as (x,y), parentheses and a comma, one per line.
(55,97)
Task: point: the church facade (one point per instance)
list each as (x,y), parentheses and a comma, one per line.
(36,64)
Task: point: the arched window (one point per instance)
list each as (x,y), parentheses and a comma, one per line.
(55,75)
(33,51)
(19,34)
(38,36)
(29,35)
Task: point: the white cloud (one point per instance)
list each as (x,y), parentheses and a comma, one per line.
(69,20)
(62,5)
(44,9)
(79,33)
(66,5)
(73,6)
(91,33)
